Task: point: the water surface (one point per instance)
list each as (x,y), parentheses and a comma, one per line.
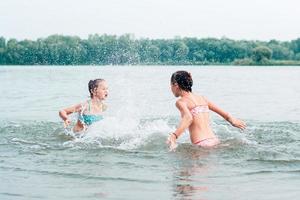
(125,157)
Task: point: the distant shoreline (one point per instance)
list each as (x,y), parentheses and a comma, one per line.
(146,66)
(126,50)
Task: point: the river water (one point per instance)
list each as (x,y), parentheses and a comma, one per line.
(124,156)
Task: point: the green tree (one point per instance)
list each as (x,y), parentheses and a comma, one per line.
(180,52)
(12,52)
(261,54)
(280,51)
(126,50)
(295,45)
(166,51)
(100,49)
(2,51)
(297,56)
(148,52)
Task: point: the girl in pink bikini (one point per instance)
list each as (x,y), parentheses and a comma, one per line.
(194,111)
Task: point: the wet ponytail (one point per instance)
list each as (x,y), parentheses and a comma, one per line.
(183,79)
(93,84)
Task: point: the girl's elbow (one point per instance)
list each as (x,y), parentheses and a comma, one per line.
(189,119)
(61,113)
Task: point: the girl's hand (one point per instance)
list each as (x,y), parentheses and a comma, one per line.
(67,122)
(237,123)
(171,142)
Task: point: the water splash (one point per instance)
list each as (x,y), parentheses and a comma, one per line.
(124,134)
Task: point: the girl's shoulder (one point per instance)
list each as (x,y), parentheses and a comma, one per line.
(198,95)
(84,105)
(182,100)
(202,99)
(198,99)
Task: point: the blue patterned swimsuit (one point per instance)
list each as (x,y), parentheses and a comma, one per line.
(88,119)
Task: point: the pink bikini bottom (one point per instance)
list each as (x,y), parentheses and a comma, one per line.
(208,142)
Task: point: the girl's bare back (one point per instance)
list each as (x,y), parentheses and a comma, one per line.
(200,128)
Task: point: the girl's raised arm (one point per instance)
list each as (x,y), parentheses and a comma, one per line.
(67,111)
(232,120)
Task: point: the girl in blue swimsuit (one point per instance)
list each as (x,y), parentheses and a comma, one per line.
(89,111)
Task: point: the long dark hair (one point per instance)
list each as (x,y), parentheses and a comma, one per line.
(183,79)
(94,84)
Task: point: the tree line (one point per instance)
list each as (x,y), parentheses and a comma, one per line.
(127,50)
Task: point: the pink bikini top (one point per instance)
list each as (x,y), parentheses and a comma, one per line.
(199,109)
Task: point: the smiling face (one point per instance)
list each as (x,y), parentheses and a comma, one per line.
(101,91)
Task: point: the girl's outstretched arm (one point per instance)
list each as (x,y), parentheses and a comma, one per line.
(232,120)
(67,111)
(185,122)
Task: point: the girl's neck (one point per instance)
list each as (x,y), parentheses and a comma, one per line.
(96,101)
(96,104)
(185,93)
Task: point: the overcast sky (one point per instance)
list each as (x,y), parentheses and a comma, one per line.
(236,19)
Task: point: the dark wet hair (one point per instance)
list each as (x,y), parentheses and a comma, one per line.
(183,79)
(94,84)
